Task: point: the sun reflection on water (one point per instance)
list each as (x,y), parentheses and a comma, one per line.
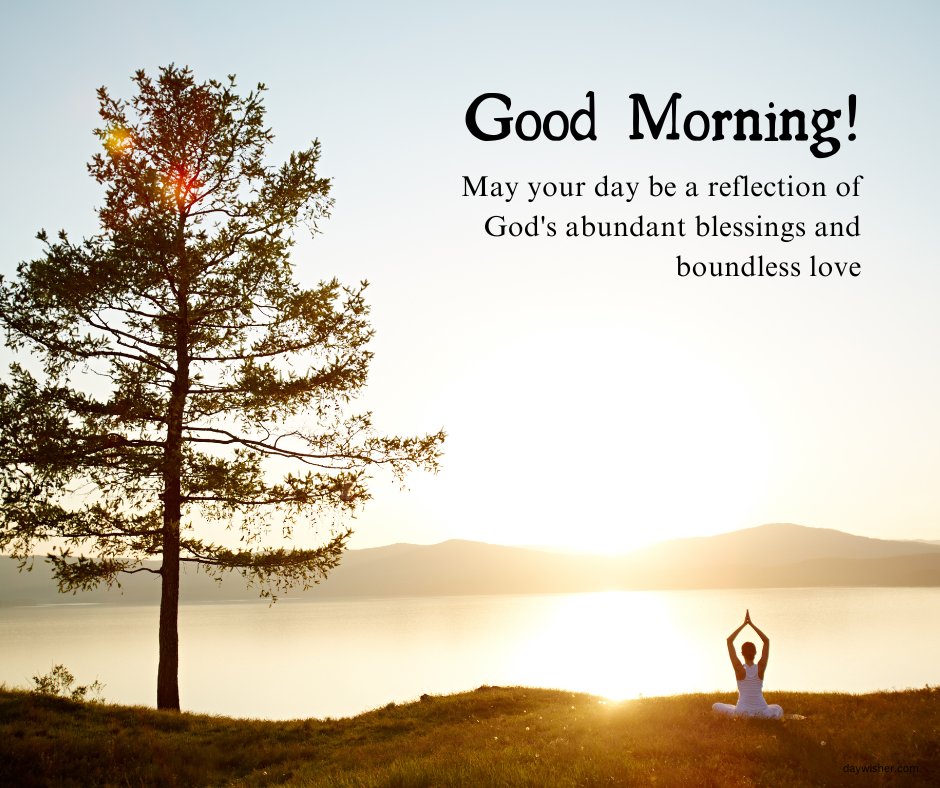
(615,644)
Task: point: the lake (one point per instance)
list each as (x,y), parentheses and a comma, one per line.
(302,658)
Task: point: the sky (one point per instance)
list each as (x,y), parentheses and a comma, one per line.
(593,399)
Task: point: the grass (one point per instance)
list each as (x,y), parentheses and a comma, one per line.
(490,737)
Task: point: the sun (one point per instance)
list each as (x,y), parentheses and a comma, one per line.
(576,451)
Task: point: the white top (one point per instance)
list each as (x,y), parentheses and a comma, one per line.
(750,691)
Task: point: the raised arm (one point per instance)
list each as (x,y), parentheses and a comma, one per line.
(765,646)
(735,662)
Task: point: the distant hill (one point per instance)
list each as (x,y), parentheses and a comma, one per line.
(775,555)
(781,543)
(784,555)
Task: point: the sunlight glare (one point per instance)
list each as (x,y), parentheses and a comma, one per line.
(613,454)
(615,644)
(118,140)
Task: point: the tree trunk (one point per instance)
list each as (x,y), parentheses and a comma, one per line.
(168,693)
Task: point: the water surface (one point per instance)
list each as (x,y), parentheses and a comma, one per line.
(337,658)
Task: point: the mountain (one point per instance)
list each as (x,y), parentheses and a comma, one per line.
(781,543)
(775,555)
(783,555)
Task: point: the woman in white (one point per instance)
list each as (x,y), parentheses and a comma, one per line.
(750,678)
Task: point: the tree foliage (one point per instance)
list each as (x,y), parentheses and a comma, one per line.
(181,381)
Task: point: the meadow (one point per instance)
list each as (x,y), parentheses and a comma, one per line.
(493,736)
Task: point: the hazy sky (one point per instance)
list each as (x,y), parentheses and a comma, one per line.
(592,398)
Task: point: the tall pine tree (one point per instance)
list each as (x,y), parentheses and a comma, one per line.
(184,382)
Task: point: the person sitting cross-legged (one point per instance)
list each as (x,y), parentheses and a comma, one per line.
(750,678)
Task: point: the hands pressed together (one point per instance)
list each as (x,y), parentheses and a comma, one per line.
(747,622)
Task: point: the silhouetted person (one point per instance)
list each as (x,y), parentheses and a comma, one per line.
(750,678)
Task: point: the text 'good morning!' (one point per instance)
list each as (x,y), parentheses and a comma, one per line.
(489,118)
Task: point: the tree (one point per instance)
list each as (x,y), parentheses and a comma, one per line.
(177,362)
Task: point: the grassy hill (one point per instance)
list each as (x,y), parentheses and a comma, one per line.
(489,737)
